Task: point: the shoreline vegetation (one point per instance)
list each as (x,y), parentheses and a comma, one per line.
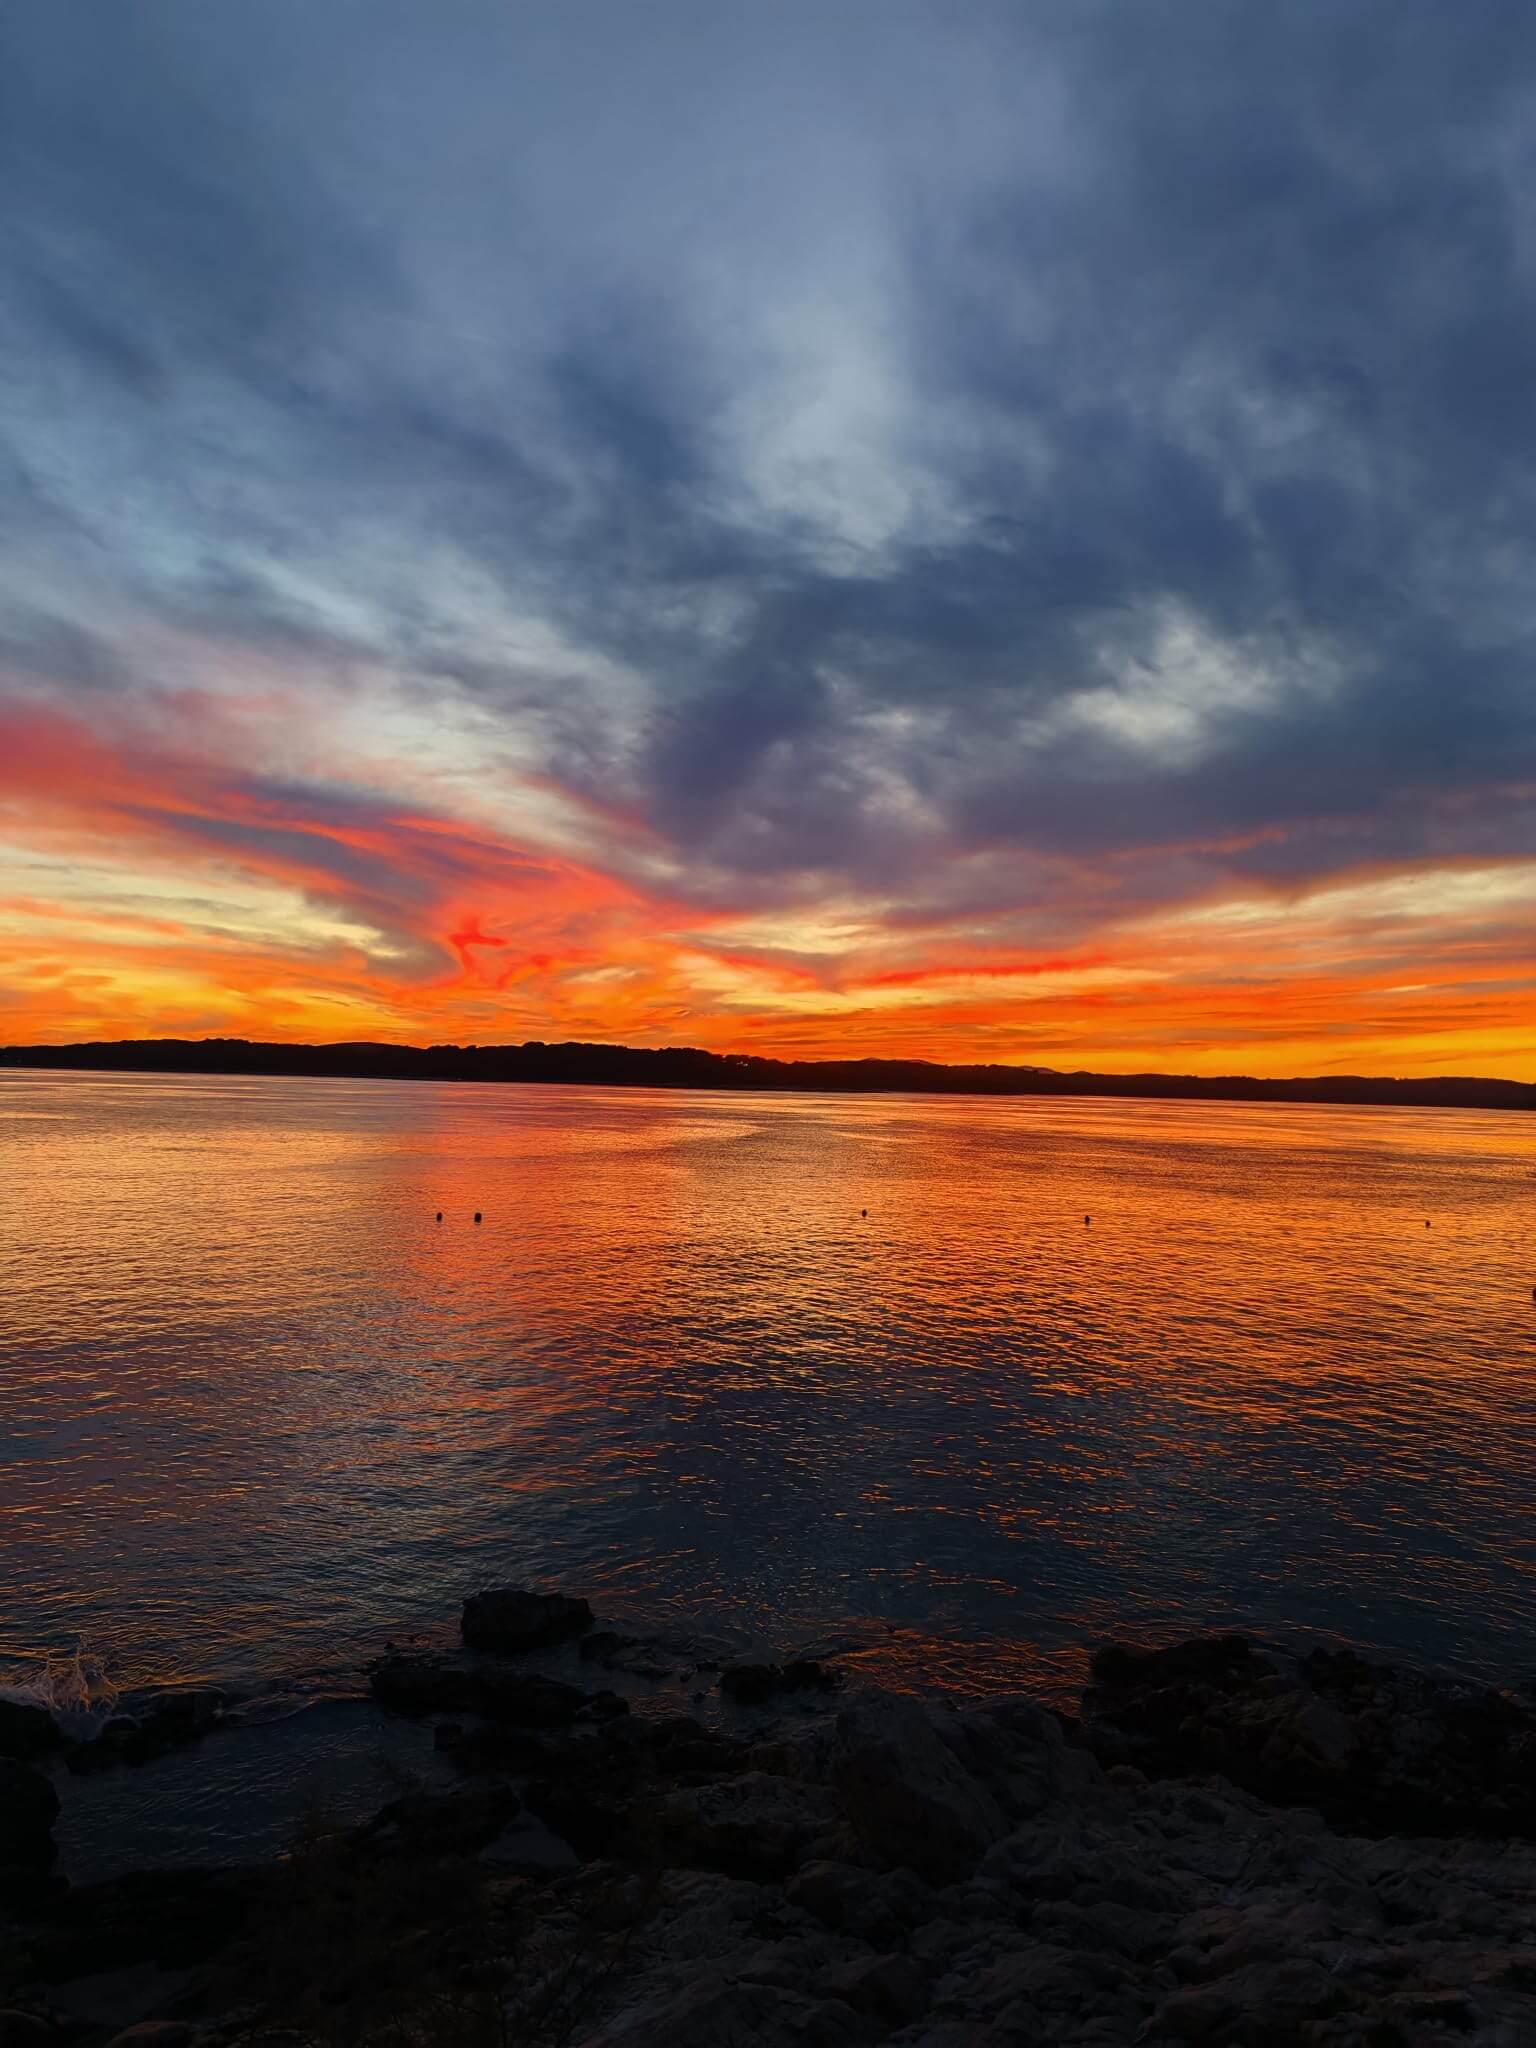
(1225,1844)
(619,1066)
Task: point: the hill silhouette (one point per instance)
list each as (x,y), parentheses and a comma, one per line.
(622,1066)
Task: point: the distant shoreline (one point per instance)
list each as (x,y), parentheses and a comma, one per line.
(588,1065)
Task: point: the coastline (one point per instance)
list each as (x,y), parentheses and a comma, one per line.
(578,1064)
(1224,1843)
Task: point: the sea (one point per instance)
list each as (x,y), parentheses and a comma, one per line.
(950,1389)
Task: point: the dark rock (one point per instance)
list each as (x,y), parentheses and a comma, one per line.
(27,2030)
(155,2034)
(166,1720)
(908,1797)
(604,1706)
(509,1619)
(529,1701)
(1369,1746)
(605,1646)
(441,1823)
(590,1812)
(174,1918)
(889,1987)
(1265,2006)
(712,2011)
(754,1826)
(425,1682)
(28,1808)
(491,1746)
(27,1731)
(752,1684)
(683,1747)
(431,1681)
(1221,1661)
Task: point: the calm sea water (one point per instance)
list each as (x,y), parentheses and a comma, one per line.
(259,1411)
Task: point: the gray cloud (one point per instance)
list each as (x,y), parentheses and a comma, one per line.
(1097,426)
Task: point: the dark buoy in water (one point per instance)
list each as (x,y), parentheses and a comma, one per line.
(477,1215)
(1426,1223)
(1087,1219)
(863,1212)
(439,1215)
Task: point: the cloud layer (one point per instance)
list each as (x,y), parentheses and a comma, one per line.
(794,528)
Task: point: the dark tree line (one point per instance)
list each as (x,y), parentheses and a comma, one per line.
(621,1066)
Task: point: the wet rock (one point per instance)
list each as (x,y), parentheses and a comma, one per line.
(424,1682)
(166,1721)
(604,1646)
(27,1731)
(431,1681)
(510,1619)
(907,1796)
(751,1685)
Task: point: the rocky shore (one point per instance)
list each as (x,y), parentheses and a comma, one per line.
(1226,1845)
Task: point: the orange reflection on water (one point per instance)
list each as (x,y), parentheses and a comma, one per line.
(265,1406)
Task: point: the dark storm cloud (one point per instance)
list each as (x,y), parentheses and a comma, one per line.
(1078,428)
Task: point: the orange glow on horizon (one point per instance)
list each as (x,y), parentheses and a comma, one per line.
(147,890)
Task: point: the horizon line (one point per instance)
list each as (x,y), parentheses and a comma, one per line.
(748,1071)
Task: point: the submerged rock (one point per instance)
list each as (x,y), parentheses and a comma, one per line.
(510,1619)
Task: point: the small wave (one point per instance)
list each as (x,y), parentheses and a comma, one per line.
(75,1686)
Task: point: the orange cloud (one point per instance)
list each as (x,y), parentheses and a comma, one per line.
(150,888)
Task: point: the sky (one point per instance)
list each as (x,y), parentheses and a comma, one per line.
(980,532)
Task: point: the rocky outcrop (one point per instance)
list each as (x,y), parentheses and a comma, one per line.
(907,1796)
(1370,1746)
(434,1681)
(29,1807)
(751,1685)
(900,1873)
(164,1721)
(27,1731)
(509,1620)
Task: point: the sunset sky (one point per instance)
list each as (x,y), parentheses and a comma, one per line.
(969,530)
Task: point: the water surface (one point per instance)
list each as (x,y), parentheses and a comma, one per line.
(260,1410)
